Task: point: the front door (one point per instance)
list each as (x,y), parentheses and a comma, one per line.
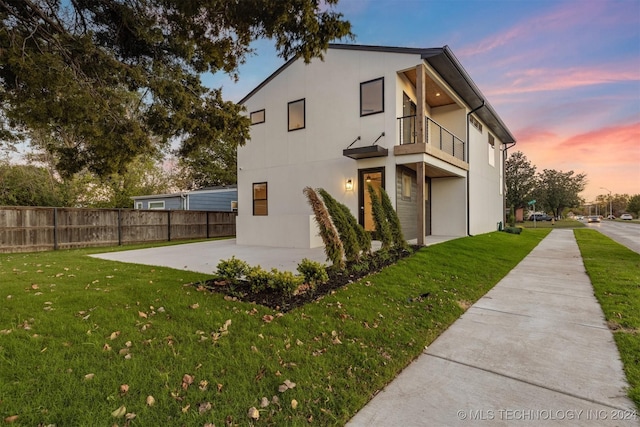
(368,177)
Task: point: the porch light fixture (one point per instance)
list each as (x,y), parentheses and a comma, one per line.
(368,178)
(348,185)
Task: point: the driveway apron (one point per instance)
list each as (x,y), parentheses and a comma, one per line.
(535,350)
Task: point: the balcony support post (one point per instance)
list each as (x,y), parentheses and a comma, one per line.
(421,93)
(420,178)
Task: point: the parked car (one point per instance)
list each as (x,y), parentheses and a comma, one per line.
(540,217)
(580,218)
(594,218)
(626,216)
(611,217)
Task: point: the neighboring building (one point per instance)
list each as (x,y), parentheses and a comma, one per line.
(222,199)
(409,120)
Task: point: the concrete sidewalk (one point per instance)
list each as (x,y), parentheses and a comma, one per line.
(535,350)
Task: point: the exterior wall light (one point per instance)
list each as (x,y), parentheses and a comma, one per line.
(348,185)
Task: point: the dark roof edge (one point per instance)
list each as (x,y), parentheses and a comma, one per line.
(481,98)
(267,80)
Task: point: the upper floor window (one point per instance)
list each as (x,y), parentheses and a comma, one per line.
(296,113)
(260,206)
(492,154)
(257,117)
(372,97)
(476,124)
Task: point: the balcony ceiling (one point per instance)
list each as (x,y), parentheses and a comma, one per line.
(435,96)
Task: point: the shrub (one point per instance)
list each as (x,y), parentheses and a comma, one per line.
(232,269)
(285,281)
(513,230)
(345,230)
(259,279)
(383,231)
(332,244)
(394,222)
(314,273)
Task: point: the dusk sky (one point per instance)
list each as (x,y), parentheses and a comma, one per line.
(563,75)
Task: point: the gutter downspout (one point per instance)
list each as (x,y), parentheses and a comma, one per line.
(469,163)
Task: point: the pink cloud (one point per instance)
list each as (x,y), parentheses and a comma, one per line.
(558,20)
(547,79)
(610,157)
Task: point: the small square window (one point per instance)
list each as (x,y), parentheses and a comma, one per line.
(296,112)
(257,117)
(138,205)
(372,97)
(260,205)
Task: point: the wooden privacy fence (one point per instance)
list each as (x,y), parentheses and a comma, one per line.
(29,229)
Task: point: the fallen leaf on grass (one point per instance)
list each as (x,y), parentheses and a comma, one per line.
(142,314)
(267,318)
(89,376)
(253,413)
(11,419)
(114,335)
(150,400)
(286,386)
(194,306)
(204,407)
(187,380)
(203,385)
(264,402)
(130,416)
(294,404)
(185,409)
(124,388)
(120,412)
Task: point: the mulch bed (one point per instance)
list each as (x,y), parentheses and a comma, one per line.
(282,302)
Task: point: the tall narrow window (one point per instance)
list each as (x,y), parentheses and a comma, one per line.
(372,97)
(492,153)
(260,198)
(296,115)
(257,117)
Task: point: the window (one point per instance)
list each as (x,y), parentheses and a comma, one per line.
(138,205)
(156,205)
(372,97)
(492,154)
(257,117)
(406,186)
(260,198)
(234,206)
(476,124)
(296,115)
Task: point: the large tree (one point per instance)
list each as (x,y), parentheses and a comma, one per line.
(558,190)
(520,179)
(110,80)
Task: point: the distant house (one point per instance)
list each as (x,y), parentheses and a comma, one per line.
(408,120)
(222,199)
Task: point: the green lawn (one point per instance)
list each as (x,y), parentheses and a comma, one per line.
(563,223)
(85,341)
(615,274)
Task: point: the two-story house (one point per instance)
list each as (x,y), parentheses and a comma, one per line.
(408,120)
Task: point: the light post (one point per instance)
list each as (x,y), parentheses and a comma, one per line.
(610,205)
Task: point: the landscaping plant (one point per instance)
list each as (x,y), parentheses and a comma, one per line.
(383,231)
(345,229)
(394,222)
(332,244)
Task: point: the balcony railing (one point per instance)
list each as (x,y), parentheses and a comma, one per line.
(435,135)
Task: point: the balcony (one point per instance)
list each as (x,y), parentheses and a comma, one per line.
(436,137)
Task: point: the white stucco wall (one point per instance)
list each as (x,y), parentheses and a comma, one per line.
(290,161)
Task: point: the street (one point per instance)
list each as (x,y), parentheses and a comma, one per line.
(625,233)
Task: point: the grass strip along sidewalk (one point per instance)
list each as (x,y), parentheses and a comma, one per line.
(85,341)
(614,271)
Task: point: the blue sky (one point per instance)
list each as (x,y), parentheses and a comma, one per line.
(563,75)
